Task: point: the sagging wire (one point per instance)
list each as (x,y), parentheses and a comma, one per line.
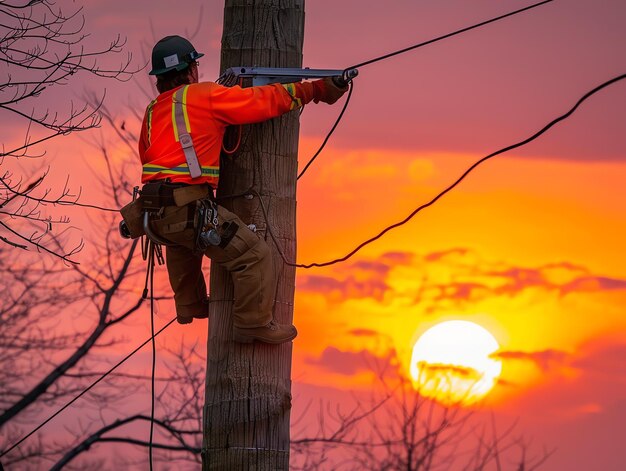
(237,143)
(410,48)
(86,390)
(448,35)
(360,246)
(239,127)
(343,110)
(220,79)
(450,187)
(153,251)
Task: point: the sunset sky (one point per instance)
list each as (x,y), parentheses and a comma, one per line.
(530,245)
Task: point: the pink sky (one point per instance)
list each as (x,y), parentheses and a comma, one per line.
(530,246)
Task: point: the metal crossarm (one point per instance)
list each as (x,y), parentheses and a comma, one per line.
(266,75)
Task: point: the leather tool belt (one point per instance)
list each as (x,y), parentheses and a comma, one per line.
(156,195)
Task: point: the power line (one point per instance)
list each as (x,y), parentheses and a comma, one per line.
(363,244)
(85,390)
(343,110)
(445,36)
(151,257)
(371,61)
(407,49)
(461,178)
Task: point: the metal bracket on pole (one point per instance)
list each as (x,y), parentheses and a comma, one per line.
(266,75)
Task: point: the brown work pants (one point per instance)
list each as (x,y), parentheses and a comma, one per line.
(246,257)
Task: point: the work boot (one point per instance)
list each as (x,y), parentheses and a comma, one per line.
(189,320)
(270,333)
(202,314)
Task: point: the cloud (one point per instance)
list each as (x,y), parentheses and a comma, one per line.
(364,333)
(437,368)
(517,279)
(563,278)
(450,278)
(569,279)
(602,359)
(398,258)
(462,291)
(600,378)
(349,363)
(365,278)
(437,256)
(376,267)
(544,359)
(382,265)
(593,284)
(348,288)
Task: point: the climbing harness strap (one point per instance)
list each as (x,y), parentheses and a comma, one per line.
(182,130)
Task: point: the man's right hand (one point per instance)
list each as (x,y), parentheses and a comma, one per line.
(327,91)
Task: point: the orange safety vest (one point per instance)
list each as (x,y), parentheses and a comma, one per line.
(207,109)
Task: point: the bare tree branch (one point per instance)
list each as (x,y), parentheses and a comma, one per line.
(42,49)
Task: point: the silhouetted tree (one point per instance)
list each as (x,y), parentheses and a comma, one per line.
(178,426)
(42,48)
(56,317)
(401,429)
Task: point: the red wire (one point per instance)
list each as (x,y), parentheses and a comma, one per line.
(236,148)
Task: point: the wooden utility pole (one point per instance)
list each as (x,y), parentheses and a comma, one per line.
(248,386)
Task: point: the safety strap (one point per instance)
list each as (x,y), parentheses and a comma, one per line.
(181,131)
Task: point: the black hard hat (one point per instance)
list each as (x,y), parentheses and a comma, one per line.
(172,53)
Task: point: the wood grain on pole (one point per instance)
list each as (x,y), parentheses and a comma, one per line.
(248,387)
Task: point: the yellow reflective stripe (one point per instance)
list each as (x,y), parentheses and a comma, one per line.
(187,125)
(185,115)
(295,101)
(174,117)
(183,169)
(291,89)
(149,120)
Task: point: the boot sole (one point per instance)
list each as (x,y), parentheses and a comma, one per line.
(239,338)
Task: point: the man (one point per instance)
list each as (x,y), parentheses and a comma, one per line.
(179,147)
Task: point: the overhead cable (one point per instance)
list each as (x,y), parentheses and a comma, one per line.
(368,62)
(445,36)
(87,389)
(407,49)
(461,178)
(151,261)
(343,110)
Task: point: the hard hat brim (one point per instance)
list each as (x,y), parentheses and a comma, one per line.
(179,67)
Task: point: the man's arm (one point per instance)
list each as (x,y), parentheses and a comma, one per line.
(236,105)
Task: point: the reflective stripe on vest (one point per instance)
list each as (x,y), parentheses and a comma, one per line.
(149,120)
(180,122)
(295,101)
(151,169)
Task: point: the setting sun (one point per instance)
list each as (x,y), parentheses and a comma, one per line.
(451,362)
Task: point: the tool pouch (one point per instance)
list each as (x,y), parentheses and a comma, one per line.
(132,214)
(187,194)
(158,195)
(173,220)
(155,196)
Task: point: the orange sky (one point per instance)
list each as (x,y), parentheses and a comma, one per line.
(530,245)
